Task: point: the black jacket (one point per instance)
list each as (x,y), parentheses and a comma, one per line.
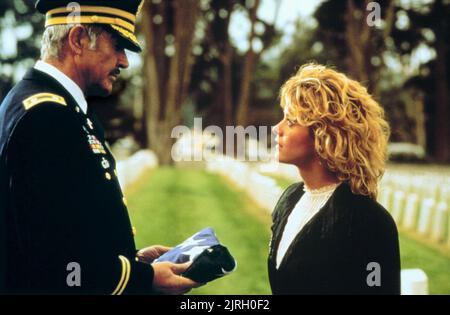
(331,254)
(60,199)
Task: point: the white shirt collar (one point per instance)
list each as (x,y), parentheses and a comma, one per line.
(65,81)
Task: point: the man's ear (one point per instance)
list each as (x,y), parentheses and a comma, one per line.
(78,40)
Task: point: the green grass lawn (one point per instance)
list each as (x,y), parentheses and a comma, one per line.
(176,203)
(436,264)
(171,204)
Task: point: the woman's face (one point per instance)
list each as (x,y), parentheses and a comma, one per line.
(295,145)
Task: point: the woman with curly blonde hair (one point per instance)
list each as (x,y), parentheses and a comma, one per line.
(329,233)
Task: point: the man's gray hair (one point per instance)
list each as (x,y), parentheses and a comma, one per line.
(55,37)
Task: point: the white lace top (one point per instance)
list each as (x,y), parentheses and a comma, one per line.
(308,205)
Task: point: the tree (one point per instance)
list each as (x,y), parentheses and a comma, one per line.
(358,39)
(213,86)
(225,74)
(168,28)
(426,26)
(429,26)
(253,56)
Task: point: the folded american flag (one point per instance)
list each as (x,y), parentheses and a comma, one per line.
(210,260)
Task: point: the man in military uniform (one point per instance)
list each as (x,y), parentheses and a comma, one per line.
(64,221)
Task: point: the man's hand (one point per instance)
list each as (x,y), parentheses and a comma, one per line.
(149,254)
(167,279)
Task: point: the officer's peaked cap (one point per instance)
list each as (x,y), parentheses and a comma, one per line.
(118,16)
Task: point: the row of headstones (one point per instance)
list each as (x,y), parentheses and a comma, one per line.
(262,189)
(427,216)
(418,170)
(433,185)
(130,169)
(287,171)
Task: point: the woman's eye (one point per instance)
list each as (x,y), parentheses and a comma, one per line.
(290,122)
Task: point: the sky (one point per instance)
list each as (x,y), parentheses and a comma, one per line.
(289,12)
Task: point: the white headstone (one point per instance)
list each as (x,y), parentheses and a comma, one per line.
(414,282)
(417,187)
(385,197)
(411,210)
(445,193)
(426,213)
(439,222)
(398,206)
(131,168)
(431,188)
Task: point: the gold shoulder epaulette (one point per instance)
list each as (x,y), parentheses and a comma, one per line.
(41,98)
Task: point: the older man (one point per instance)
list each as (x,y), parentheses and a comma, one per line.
(65,227)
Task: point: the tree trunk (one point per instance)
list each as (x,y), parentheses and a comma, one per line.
(358,34)
(152,99)
(421,135)
(442,99)
(167,77)
(244,96)
(227,87)
(247,75)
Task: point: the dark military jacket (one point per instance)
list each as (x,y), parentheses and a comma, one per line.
(64,221)
(335,251)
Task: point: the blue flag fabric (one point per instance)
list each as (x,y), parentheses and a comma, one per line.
(210,260)
(191,248)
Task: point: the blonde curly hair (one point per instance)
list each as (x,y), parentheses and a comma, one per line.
(348,125)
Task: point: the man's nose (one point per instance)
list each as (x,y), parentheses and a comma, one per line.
(123,60)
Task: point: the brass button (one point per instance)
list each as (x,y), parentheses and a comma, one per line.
(77,109)
(108,176)
(134,231)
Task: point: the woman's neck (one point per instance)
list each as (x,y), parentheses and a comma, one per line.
(317,176)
